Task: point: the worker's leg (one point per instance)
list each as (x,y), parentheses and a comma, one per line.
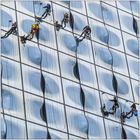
(43,14)
(7,34)
(82,37)
(64,25)
(82,33)
(29,37)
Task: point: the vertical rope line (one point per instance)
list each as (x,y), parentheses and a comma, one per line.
(48,134)
(76,55)
(60,74)
(107,33)
(107,41)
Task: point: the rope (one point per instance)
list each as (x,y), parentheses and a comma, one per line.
(42,83)
(81,89)
(114,78)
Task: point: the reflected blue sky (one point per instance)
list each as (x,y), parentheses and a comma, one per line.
(66,112)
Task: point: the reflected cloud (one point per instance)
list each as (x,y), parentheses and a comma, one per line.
(101,33)
(5,17)
(15,132)
(8,70)
(107,14)
(132,45)
(34,108)
(95,9)
(128,22)
(28,5)
(54,116)
(33,54)
(51,86)
(134,66)
(7,47)
(34,79)
(73,93)
(79,122)
(104,55)
(130,134)
(106,36)
(122,85)
(117,60)
(114,39)
(38,134)
(69,42)
(76,4)
(86,74)
(94,128)
(9,100)
(136,88)
(78,20)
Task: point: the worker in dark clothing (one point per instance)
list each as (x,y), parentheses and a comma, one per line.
(104,111)
(133,111)
(13,30)
(58,26)
(85,33)
(113,109)
(34,30)
(115,105)
(46,12)
(65,20)
(122,117)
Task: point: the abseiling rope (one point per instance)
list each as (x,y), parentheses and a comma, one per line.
(43,112)
(82,94)
(77,75)
(114,80)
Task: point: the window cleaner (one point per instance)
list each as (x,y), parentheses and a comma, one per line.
(46,12)
(125,115)
(86,33)
(65,20)
(34,30)
(13,30)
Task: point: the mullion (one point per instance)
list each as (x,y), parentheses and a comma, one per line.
(21,74)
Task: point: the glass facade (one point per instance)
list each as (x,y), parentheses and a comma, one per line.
(55,86)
